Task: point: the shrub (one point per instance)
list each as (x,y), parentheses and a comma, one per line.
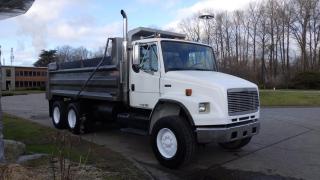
(306,80)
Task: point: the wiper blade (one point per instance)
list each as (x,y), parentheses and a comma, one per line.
(186,69)
(202,69)
(176,69)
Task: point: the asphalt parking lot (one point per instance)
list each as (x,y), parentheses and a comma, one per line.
(288,146)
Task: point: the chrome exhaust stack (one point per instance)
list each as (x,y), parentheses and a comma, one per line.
(125,25)
(124,59)
(125,35)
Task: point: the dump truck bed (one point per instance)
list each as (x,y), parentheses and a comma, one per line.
(67,80)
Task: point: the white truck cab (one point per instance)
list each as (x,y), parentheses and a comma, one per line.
(161,83)
(170,74)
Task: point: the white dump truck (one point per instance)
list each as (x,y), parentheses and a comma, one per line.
(158,82)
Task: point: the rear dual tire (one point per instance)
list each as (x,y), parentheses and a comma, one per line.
(59,115)
(70,116)
(78,122)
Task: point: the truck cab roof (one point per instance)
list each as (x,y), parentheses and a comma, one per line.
(146,33)
(143,34)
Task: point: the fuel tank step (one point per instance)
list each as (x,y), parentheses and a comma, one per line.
(133,120)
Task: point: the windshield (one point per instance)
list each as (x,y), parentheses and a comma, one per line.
(180,56)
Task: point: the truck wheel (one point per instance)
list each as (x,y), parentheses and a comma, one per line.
(59,114)
(234,145)
(173,141)
(74,118)
(76,122)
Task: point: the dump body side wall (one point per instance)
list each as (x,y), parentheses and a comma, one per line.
(104,85)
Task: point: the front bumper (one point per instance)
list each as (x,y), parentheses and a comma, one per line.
(227,133)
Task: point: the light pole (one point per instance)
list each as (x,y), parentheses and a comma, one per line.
(206,18)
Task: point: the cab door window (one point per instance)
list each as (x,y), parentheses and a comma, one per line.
(148,58)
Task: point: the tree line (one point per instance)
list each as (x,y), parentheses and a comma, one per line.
(268,42)
(65,54)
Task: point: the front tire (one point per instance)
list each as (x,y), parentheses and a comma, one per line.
(173,141)
(59,115)
(234,145)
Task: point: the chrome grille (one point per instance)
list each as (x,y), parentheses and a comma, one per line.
(242,101)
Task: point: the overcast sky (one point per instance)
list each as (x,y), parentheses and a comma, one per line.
(52,23)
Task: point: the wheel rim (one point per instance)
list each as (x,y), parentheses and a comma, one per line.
(167,143)
(72,118)
(56,115)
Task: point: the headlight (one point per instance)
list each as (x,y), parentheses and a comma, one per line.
(204,107)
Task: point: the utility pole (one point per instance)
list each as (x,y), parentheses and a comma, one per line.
(11,56)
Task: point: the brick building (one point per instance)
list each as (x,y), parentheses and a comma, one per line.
(19,78)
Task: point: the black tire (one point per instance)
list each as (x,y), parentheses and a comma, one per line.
(74,119)
(82,122)
(234,145)
(59,117)
(185,138)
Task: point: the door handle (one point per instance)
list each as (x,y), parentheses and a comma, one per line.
(132,87)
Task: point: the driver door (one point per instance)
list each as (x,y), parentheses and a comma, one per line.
(144,84)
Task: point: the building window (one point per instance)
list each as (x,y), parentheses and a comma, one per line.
(25,73)
(8,72)
(38,73)
(17,84)
(30,73)
(34,73)
(17,73)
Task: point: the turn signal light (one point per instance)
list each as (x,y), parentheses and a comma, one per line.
(188,92)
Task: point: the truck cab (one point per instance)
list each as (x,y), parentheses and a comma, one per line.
(186,72)
(171,75)
(159,82)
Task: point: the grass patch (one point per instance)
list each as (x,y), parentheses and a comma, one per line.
(289,98)
(40,139)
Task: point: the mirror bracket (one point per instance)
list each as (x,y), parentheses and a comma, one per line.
(136,68)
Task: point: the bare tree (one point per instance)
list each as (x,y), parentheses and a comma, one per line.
(274,38)
(68,53)
(191,27)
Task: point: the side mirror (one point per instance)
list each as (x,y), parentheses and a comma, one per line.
(136,59)
(136,55)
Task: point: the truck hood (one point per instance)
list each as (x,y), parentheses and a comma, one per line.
(210,78)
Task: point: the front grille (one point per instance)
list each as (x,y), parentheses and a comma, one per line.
(242,101)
